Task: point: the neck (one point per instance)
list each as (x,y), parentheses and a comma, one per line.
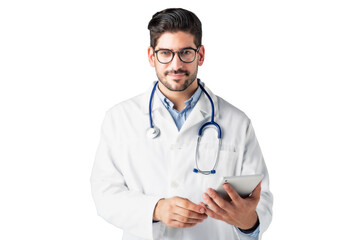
(179,97)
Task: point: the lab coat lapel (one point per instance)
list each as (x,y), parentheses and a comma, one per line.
(162,115)
(159,112)
(199,115)
(202,111)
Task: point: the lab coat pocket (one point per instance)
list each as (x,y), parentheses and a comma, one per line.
(226,163)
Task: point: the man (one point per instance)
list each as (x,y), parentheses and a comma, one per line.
(147,186)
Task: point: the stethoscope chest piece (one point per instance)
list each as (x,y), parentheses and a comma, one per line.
(153,132)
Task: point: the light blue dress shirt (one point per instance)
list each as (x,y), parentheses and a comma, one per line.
(179,119)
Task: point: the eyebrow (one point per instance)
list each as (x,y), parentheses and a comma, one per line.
(173,49)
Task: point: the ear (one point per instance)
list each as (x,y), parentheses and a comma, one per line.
(201,54)
(151,56)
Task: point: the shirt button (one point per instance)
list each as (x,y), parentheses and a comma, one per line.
(174,184)
(180,115)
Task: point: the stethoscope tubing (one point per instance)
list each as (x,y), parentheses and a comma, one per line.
(154,131)
(212,122)
(151,97)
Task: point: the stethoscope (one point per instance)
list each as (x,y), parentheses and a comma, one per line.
(154,131)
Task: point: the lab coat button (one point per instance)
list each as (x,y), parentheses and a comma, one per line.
(174,184)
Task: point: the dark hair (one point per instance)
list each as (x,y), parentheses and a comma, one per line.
(174,20)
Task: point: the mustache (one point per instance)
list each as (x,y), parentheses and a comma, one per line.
(177,72)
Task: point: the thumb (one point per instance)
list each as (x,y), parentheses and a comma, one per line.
(257,191)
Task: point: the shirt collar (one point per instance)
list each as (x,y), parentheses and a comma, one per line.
(192,100)
(202,106)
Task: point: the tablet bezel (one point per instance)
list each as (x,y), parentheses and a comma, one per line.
(244,185)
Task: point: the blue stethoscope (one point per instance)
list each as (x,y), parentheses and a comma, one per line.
(154,131)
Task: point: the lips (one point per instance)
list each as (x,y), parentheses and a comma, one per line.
(177,73)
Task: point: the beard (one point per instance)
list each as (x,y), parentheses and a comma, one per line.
(188,81)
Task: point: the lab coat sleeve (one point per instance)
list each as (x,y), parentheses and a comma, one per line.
(131,211)
(253,163)
(248,236)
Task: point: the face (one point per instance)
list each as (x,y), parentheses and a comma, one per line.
(176,75)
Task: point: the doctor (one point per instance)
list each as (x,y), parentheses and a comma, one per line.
(146,178)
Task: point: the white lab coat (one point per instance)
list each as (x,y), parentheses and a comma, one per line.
(132,172)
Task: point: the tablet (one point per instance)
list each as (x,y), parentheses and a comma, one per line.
(244,185)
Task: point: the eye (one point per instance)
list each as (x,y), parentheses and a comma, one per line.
(165,52)
(185,52)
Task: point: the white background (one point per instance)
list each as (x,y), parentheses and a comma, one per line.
(292,66)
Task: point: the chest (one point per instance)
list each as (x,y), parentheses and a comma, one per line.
(164,165)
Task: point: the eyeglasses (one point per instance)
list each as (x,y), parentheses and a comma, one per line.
(186,55)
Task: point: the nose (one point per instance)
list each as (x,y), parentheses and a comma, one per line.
(176,63)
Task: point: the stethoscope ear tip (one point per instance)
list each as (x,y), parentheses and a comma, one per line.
(195,170)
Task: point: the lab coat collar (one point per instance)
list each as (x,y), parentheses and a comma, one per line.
(201,110)
(203,104)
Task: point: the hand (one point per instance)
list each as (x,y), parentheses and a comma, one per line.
(178,212)
(238,212)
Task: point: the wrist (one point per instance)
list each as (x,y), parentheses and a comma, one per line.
(156,215)
(251,230)
(251,224)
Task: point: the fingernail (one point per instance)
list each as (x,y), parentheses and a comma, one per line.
(202,210)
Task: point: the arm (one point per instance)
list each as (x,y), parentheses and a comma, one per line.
(253,162)
(244,213)
(130,210)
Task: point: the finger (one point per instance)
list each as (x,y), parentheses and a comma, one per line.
(203,205)
(183,219)
(188,213)
(187,204)
(212,205)
(234,196)
(211,213)
(178,224)
(257,191)
(222,203)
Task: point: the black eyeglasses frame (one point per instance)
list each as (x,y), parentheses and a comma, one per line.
(173,54)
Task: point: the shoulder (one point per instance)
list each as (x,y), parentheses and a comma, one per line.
(232,111)
(131,105)
(127,112)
